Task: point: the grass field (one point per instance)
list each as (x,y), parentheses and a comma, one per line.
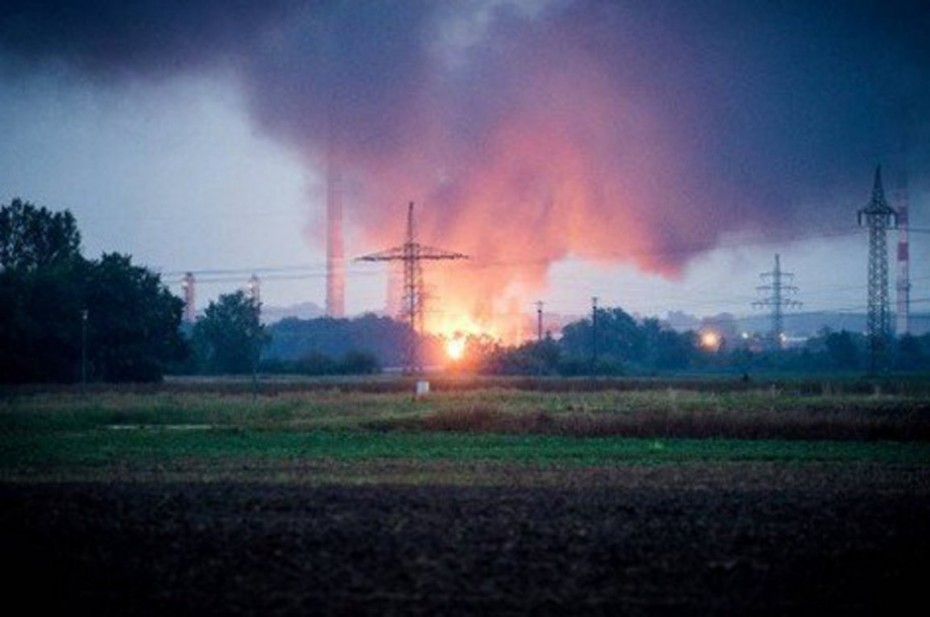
(69,434)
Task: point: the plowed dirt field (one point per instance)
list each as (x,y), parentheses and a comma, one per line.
(753,539)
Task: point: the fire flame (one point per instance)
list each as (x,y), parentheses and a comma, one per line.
(710,340)
(455,348)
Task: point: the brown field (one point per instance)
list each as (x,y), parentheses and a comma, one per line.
(303,533)
(752,539)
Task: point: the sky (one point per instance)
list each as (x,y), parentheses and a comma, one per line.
(656,155)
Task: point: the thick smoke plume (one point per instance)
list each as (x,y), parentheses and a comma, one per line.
(528,132)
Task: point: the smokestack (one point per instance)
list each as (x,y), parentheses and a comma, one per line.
(335,250)
(903,309)
(253,289)
(187,284)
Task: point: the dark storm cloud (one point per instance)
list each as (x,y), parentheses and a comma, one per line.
(138,36)
(345,69)
(629,130)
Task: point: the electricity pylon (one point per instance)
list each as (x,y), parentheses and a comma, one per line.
(878,217)
(777,300)
(412,254)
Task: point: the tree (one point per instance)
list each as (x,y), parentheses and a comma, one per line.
(359,363)
(294,339)
(619,339)
(133,321)
(45,288)
(841,349)
(673,350)
(40,294)
(40,323)
(32,237)
(910,355)
(530,358)
(229,337)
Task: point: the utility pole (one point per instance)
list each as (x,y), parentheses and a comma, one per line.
(539,321)
(84,315)
(255,335)
(776,300)
(878,217)
(412,254)
(594,335)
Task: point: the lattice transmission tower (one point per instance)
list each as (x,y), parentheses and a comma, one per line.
(412,254)
(778,289)
(878,217)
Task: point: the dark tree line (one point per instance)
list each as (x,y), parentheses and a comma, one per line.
(616,344)
(835,351)
(229,339)
(328,345)
(63,316)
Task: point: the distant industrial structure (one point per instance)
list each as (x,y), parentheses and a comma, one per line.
(777,289)
(253,290)
(877,217)
(187,285)
(335,249)
(411,254)
(903,311)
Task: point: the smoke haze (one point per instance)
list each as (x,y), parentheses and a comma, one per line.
(528,132)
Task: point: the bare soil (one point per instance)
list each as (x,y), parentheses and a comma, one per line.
(748,539)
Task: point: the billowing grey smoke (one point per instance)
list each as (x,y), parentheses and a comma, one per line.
(634,131)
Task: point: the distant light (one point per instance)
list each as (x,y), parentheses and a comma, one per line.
(710,340)
(455,348)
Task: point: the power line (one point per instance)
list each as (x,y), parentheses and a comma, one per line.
(412,254)
(542,260)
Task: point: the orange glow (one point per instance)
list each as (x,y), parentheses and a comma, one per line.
(548,185)
(710,340)
(455,348)
(460,326)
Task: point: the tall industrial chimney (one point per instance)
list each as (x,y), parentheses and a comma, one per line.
(335,250)
(903,304)
(254,289)
(187,284)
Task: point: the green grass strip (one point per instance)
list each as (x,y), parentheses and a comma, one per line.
(100,447)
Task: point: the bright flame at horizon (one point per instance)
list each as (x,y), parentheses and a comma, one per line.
(710,340)
(455,348)
(508,328)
